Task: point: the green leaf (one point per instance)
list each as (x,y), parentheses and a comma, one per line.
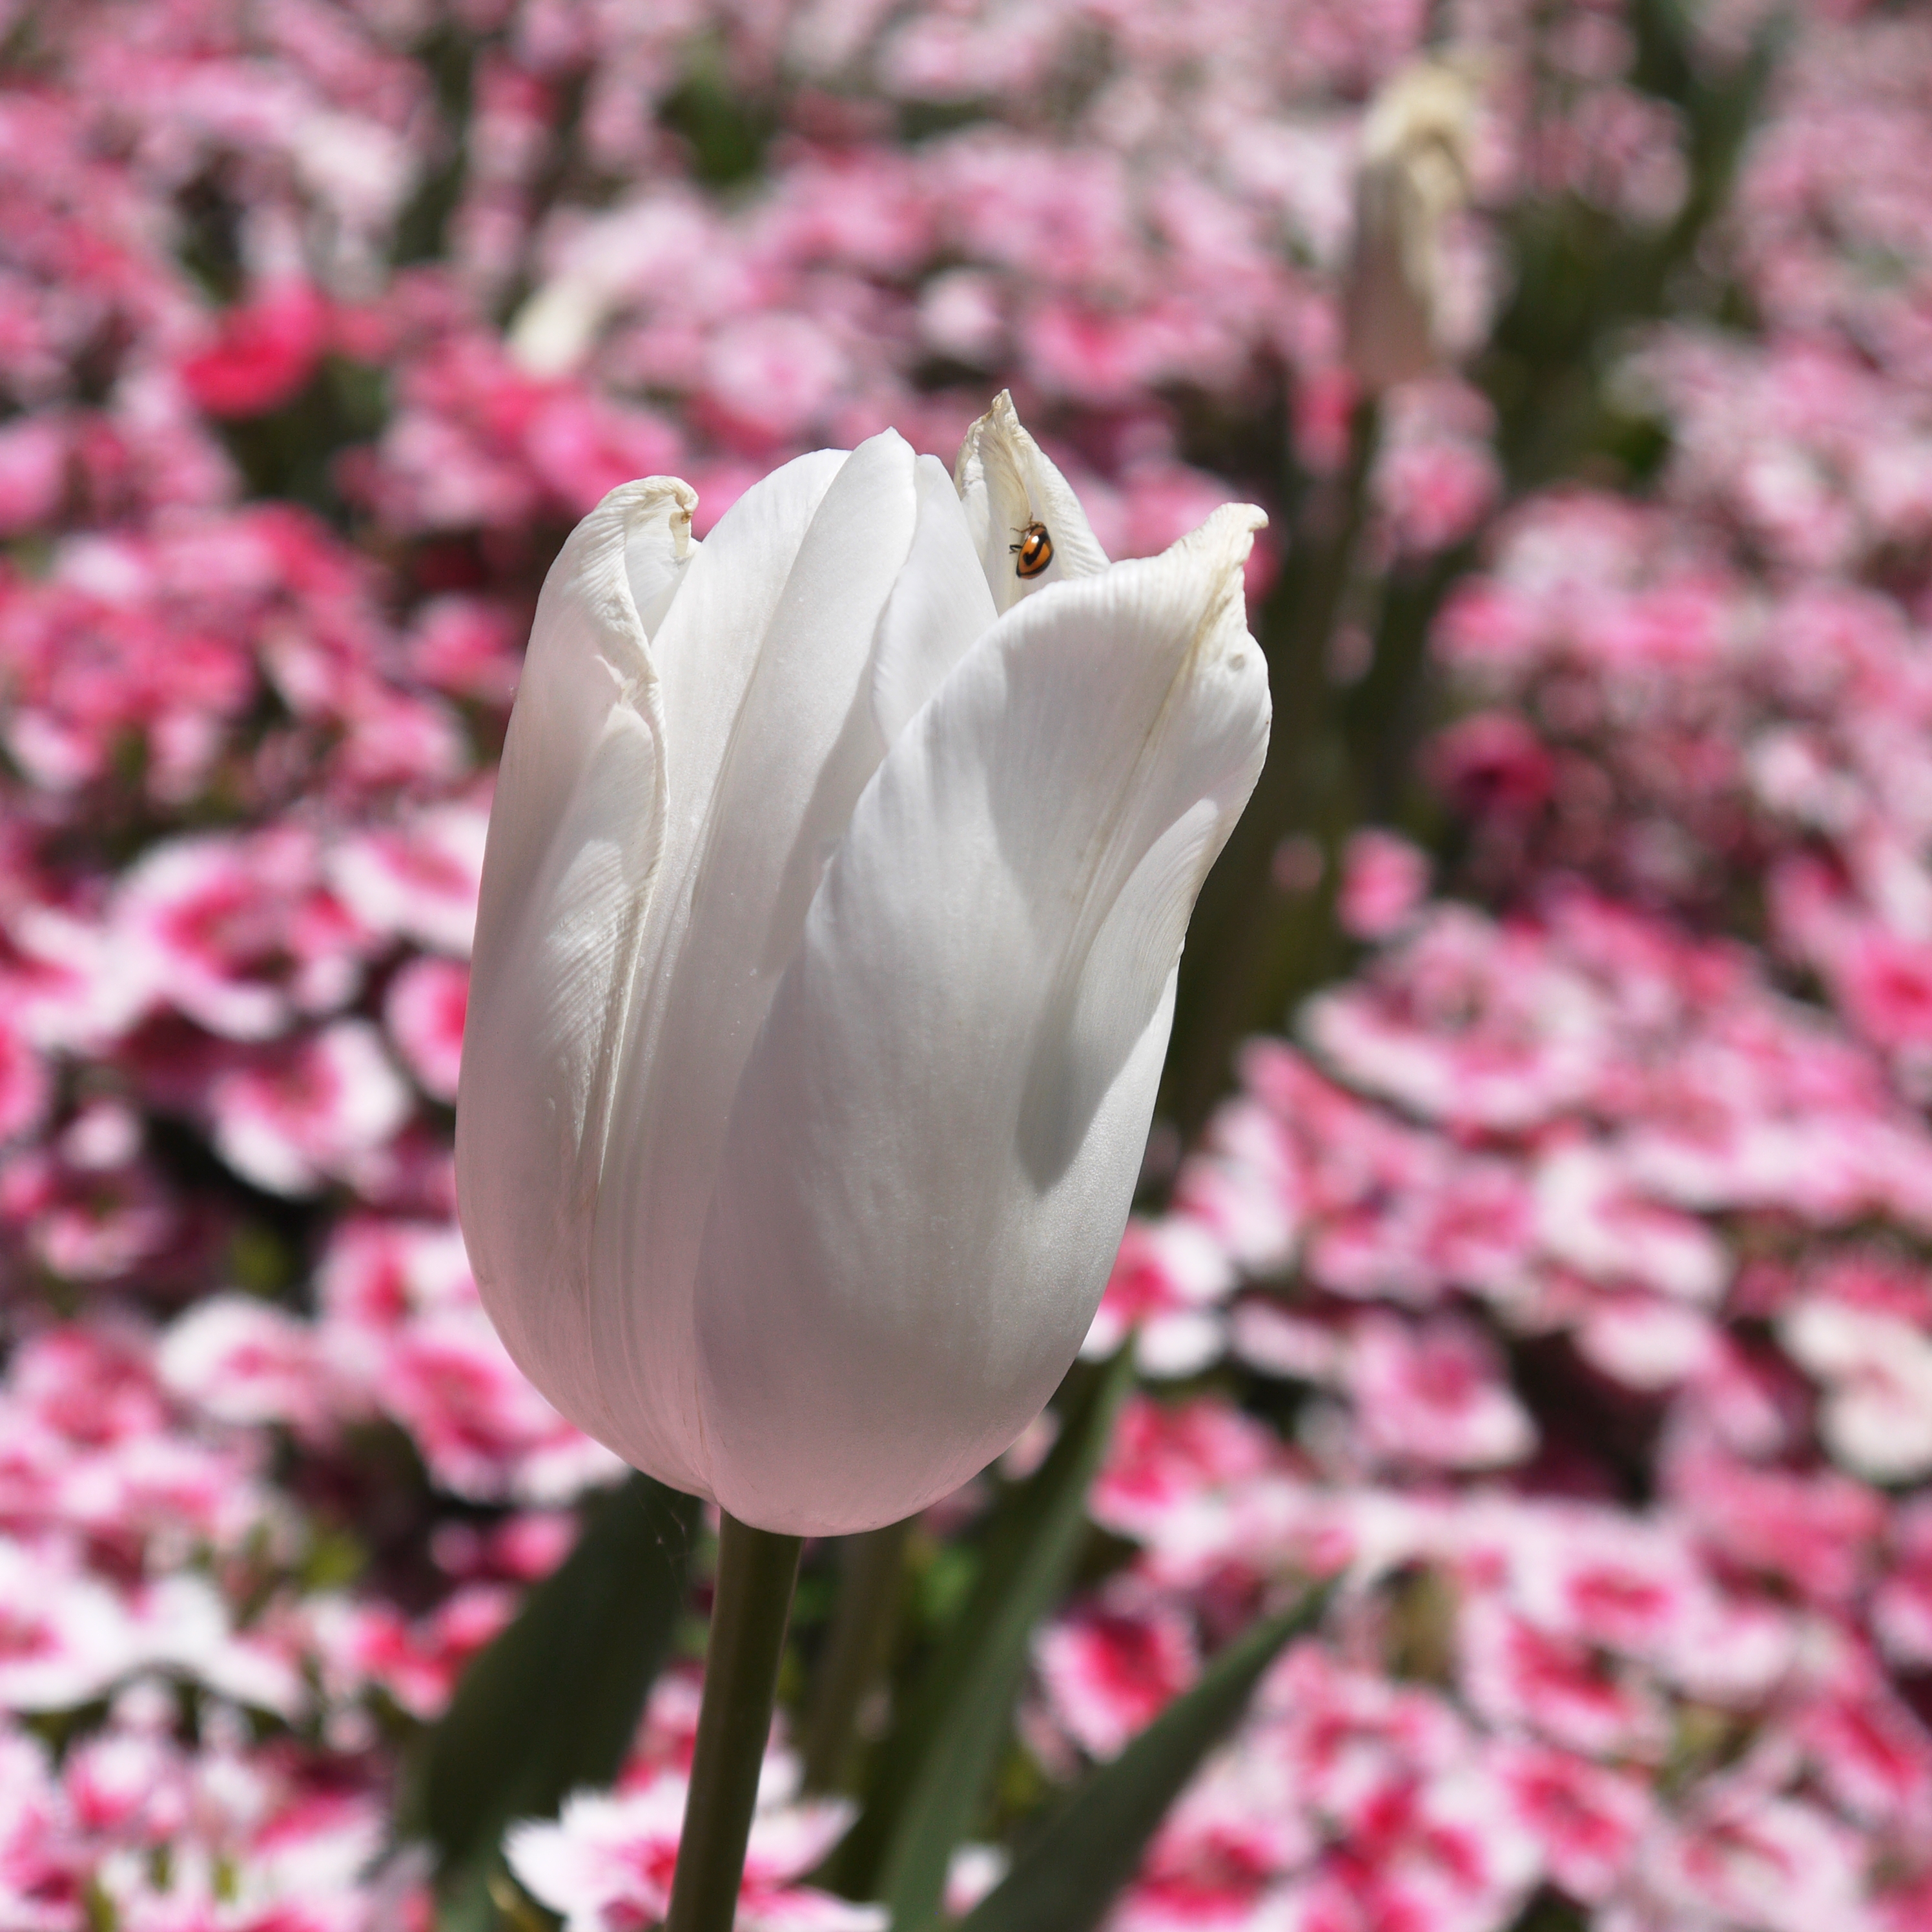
(1066,1875)
(935,1768)
(553,1702)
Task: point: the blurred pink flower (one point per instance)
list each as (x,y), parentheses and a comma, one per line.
(1167,1282)
(606,1865)
(424,1010)
(240,934)
(1110,1667)
(418,880)
(1384,880)
(1434,1395)
(262,354)
(288,1119)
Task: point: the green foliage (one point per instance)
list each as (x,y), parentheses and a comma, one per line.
(450,55)
(290,454)
(933,1772)
(726,132)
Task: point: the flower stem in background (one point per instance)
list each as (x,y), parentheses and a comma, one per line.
(871,1588)
(757,1571)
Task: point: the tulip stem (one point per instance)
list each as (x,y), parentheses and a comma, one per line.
(857,1647)
(757,1572)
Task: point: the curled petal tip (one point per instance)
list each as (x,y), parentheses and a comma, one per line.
(1230,530)
(1224,544)
(1010,486)
(648,498)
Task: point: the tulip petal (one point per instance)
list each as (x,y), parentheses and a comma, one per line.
(575,838)
(939,609)
(659,549)
(766,656)
(1006,482)
(935,1141)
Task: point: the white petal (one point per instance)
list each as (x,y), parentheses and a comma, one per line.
(940,608)
(934,1144)
(1006,482)
(659,548)
(575,837)
(766,657)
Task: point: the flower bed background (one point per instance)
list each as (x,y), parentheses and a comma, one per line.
(1556,1276)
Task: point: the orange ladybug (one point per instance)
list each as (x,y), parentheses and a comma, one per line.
(1034,550)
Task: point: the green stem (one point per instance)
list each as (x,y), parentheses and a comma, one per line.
(856,1648)
(757,1571)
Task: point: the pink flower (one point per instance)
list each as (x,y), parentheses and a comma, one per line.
(424,1010)
(43,1863)
(290,1120)
(1436,476)
(582,446)
(34,458)
(1883,983)
(1876,1370)
(483,1430)
(1591,1217)
(1245,1186)
(182,1623)
(403,1326)
(418,880)
(770,376)
(64,1637)
(523,1547)
(606,1865)
(466,646)
(1162,1458)
(1441,1852)
(91,1382)
(1219,1854)
(1643,1341)
(1468,1025)
(1521,1678)
(1102,356)
(238,933)
(416,1663)
(126,1785)
(242,1361)
(1902,1604)
(1167,1282)
(1384,878)
(1607,1580)
(377,1274)
(1872,1755)
(1109,1668)
(1816,1533)
(1433,1394)
(262,354)
(91,1208)
(26,1087)
(1587,1819)
(1491,765)
(1741,1857)
(1344,1735)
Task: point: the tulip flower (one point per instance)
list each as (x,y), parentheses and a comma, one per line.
(835,881)
(1414,175)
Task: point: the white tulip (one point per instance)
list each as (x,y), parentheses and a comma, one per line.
(834,887)
(1414,175)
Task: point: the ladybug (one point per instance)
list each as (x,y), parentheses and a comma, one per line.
(1034,550)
